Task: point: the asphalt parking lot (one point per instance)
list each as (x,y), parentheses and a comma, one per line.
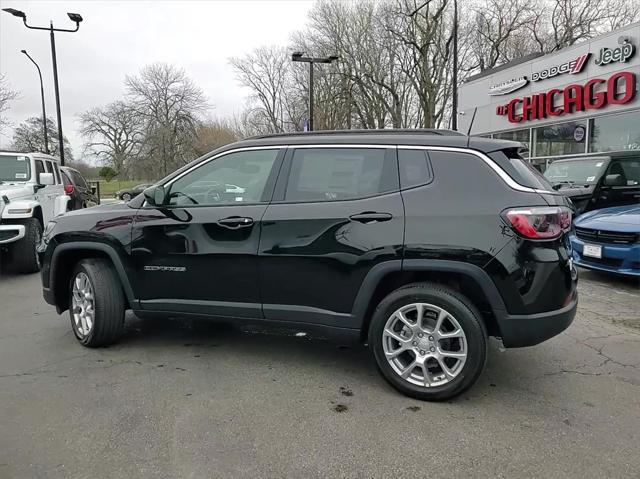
(181,399)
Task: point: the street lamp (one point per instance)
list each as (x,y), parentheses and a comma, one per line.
(299,57)
(74,17)
(44,113)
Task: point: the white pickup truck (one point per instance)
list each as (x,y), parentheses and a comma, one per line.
(31,194)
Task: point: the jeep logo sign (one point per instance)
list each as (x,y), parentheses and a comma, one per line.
(620,54)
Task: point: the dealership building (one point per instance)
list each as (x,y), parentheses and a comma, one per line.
(581,100)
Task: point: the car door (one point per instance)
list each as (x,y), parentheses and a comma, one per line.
(336,214)
(198,252)
(43,192)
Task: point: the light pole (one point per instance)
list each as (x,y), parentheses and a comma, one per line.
(454,75)
(44,112)
(298,57)
(74,17)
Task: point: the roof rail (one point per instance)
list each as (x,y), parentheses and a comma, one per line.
(389,131)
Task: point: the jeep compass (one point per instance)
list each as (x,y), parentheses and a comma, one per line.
(423,243)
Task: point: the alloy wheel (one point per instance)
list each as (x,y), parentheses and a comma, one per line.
(424,344)
(83,304)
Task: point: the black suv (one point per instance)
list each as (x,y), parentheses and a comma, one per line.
(594,182)
(423,243)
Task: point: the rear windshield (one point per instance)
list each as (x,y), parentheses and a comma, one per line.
(583,171)
(14,168)
(520,169)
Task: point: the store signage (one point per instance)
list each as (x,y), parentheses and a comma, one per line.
(619,89)
(508,86)
(571,67)
(620,54)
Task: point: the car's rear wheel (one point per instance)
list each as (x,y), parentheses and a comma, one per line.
(24,256)
(428,341)
(96,303)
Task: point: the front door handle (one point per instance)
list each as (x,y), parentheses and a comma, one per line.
(234,222)
(371,217)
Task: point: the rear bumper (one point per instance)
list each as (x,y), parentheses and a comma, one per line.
(11,233)
(528,330)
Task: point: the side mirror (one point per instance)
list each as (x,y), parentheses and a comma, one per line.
(155,195)
(46,179)
(614,180)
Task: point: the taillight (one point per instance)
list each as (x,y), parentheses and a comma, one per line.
(539,222)
(68,189)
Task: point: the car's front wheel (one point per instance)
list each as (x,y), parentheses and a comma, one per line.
(428,341)
(125,197)
(96,303)
(24,253)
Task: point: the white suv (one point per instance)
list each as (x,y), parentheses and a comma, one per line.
(31,194)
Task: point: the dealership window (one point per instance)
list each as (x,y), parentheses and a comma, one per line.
(516,135)
(615,132)
(563,139)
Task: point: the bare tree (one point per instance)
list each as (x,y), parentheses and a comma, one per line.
(265,72)
(214,134)
(171,105)
(113,133)
(6,96)
(28,137)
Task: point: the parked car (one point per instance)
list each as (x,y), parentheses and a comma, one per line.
(81,193)
(31,194)
(422,243)
(595,182)
(126,194)
(608,240)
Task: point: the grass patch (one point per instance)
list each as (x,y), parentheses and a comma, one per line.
(108,189)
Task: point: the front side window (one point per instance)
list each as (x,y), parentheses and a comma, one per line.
(235,178)
(332,174)
(628,168)
(39,169)
(14,168)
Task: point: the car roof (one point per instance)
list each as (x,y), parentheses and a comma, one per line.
(36,154)
(420,137)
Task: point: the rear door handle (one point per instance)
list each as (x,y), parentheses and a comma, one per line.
(234,222)
(371,217)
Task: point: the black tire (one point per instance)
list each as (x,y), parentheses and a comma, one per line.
(23,255)
(466,315)
(126,197)
(109,303)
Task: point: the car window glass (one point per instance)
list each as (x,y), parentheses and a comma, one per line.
(79,179)
(39,169)
(238,177)
(56,173)
(628,168)
(65,178)
(414,168)
(329,174)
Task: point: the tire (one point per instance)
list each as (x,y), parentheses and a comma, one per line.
(107,303)
(458,313)
(23,255)
(126,197)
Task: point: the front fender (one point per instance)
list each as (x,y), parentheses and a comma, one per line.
(18,210)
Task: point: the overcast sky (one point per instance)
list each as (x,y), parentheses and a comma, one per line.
(117,38)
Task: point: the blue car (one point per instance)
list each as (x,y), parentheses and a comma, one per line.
(608,240)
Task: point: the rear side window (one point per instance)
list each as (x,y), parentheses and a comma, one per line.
(78,179)
(415,169)
(65,178)
(333,174)
(520,169)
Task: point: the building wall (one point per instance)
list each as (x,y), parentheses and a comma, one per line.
(475,93)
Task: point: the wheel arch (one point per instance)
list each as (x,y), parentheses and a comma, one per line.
(469,279)
(67,255)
